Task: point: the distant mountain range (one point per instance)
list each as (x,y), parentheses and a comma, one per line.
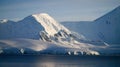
(41,34)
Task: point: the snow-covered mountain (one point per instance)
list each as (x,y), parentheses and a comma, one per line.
(31,27)
(108,26)
(39,28)
(105,28)
(41,34)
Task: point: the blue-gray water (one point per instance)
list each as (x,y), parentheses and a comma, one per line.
(59,61)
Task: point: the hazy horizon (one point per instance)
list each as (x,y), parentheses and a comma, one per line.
(61,10)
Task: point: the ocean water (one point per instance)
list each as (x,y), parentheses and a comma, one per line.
(59,61)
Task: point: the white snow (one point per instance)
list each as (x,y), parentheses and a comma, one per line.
(37,45)
(41,33)
(42,27)
(104,29)
(3,21)
(51,26)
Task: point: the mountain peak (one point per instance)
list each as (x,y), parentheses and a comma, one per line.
(50,25)
(40,14)
(43,27)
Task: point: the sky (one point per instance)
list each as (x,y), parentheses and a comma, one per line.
(60,10)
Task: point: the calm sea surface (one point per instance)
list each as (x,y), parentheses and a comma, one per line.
(59,61)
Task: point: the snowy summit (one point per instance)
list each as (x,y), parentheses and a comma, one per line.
(50,25)
(41,34)
(41,30)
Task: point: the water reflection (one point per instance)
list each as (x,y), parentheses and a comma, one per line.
(59,61)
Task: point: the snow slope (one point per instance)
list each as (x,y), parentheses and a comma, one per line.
(36,47)
(40,33)
(85,28)
(108,26)
(104,29)
(41,27)
(30,46)
(30,27)
(50,25)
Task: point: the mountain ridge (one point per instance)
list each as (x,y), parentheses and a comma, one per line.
(106,28)
(42,27)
